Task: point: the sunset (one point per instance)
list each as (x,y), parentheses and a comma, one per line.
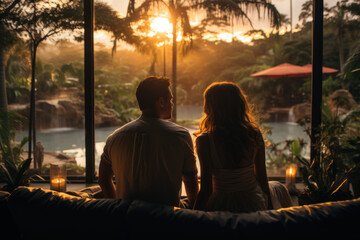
(161,25)
(140,118)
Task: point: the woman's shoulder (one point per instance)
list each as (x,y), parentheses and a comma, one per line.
(202,138)
(258,135)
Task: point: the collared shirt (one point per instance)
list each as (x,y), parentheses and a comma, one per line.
(149,156)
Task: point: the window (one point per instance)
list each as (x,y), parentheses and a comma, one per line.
(85,90)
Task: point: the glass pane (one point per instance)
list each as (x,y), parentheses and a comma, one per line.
(59,95)
(232,50)
(118,69)
(223,52)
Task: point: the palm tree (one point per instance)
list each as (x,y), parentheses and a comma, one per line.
(8,9)
(340,18)
(41,20)
(352,73)
(179,13)
(107,19)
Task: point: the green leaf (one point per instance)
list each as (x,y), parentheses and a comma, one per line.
(36,176)
(6,174)
(326,111)
(295,147)
(23,142)
(23,166)
(10,167)
(303,160)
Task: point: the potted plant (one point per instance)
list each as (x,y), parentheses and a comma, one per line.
(327,175)
(14,171)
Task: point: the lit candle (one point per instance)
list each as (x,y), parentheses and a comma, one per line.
(290,176)
(58,184)
(58,177)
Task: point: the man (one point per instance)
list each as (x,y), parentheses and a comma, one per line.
(150,156)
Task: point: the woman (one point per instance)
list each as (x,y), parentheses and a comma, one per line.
(231,151)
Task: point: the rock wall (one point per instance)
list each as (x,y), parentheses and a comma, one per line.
(63,113)
(341,97)
(342,101)
(301,111)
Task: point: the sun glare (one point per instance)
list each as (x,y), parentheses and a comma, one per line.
(161,29)
(161,25)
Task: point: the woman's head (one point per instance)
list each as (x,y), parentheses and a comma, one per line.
(225,107)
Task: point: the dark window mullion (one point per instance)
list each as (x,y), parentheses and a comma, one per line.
(89,90)
(317,63)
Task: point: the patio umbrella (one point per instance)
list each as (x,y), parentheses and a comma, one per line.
(283,70)
(324,69)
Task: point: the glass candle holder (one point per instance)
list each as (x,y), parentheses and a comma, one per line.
(290,178)
(58,177)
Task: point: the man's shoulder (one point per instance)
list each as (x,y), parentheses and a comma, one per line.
(175,128)
(126,128)
(157,126)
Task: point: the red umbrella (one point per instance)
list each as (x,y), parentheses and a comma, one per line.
(282,71)
(324,69)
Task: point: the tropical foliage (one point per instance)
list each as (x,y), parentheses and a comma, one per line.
(280,154)
(337,157)
(14,171)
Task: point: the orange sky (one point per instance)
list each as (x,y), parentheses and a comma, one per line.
(225,34)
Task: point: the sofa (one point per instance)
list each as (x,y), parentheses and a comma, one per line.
(36,213)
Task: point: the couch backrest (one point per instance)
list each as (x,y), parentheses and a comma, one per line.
(46,213)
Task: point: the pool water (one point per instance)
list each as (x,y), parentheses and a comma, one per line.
(71,141)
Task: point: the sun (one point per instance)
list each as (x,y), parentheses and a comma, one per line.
(161,25)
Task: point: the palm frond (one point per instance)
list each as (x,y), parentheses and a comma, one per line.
(353,115)
(240,9)
(337,185)
(352,64)
(303,161)
(10,166)
(4,172)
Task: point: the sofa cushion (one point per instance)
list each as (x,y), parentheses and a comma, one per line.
(7,224)
(40,212)
(327,219)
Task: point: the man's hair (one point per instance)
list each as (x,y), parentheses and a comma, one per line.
(150,90)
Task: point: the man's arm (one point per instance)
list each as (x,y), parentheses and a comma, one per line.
(189,171)
(105,180)
(191,186)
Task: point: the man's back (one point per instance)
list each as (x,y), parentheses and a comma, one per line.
(149,157)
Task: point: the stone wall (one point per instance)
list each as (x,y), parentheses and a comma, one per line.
(63,113)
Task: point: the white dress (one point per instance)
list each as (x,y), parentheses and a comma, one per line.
(237,190)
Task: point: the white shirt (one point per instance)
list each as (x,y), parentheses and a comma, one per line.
(148,158)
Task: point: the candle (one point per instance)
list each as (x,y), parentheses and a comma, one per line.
(58,177)
(58,184)
(290,176)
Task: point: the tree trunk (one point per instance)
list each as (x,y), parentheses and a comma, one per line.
(341,50)
(153,63)
(3,94)
(32,117)
(174,61)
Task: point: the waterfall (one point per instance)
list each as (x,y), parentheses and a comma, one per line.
(291,116)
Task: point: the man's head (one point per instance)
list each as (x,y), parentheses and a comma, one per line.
(154,96)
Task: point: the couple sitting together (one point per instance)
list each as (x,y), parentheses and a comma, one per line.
(151,156)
